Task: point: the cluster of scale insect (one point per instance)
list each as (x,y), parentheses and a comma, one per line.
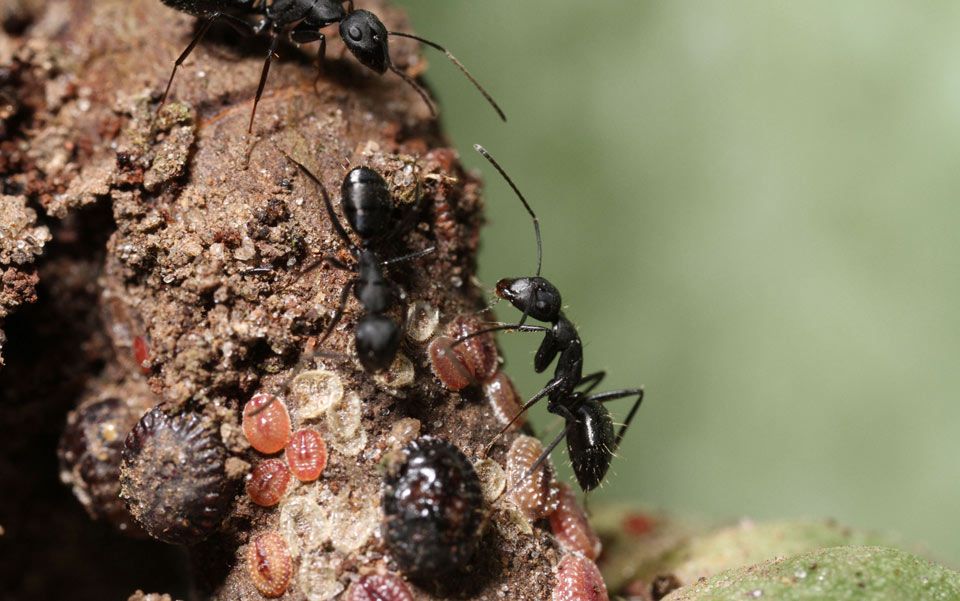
(267,426)
(474,363)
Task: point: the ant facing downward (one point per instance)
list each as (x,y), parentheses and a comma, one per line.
(365,200)
(363,33)
(591,441)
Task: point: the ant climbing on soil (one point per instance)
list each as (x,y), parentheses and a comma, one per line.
(591,441)
(300,21)
(365,200)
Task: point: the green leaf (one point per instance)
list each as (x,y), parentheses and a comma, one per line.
(834,574)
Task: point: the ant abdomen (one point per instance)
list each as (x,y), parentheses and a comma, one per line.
(366,203)
(377,339)
(587,444)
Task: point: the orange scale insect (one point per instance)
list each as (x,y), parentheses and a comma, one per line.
(578,579)
(571,527)
(269,564)
(537,495)
(268,481)
(307,454)
(266,423)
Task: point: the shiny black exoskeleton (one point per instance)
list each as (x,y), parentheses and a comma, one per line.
(591,441)
(365,200)
(433,509)
(300,21)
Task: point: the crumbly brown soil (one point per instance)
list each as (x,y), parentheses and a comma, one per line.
(155,222)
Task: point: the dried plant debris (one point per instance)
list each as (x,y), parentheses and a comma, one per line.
(21,238)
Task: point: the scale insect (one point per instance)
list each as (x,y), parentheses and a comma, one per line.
(589,431)
(301,22)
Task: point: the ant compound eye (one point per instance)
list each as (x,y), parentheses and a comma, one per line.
(355,33)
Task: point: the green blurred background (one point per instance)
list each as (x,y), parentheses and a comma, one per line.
(751,208)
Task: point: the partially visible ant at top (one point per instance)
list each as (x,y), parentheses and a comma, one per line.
(300,21)
(365,201)
(591,441)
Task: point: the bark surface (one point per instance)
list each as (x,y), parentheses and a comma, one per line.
(127,240)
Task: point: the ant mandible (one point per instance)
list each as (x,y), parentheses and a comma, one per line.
(591,441)
(365,200)
(363,33)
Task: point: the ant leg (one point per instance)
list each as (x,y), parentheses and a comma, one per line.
(500,327)
(591,381)
(341,231)
(204,27)
(271,55)
(335,262)
(306,36)
(605,397)
(339,312)
(550,387)
(409,257)
(322,54)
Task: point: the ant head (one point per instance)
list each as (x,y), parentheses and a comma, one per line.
(365,198)
(535,296)
(366,38)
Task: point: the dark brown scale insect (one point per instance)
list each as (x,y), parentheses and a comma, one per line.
(578,579)
(380,587)
(269,564)
(433,507)
(90,459)
(172,476)
(478,351)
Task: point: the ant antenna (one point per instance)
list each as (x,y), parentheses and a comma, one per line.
(459,65)
(419,89)
(536,222)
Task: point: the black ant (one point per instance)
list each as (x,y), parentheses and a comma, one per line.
(365,200)
(591,441)
(364,35)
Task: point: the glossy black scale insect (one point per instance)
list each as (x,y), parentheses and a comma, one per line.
(365,200)
(589,431)
(364,35)
(433,508)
